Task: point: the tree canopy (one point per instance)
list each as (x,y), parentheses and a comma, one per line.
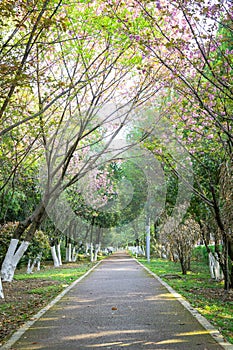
(113,111)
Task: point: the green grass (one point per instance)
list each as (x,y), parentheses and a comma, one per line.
(198,288)
(61,274)
(48,292)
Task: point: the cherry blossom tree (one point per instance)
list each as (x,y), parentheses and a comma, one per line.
(193,41)
(72,86)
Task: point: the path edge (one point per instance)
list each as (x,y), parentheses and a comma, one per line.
(201,319)
(18,334)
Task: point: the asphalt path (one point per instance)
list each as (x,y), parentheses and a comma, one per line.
(117,306)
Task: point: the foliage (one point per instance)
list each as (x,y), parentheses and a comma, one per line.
(200,253)
(110,191)
(19,192)
(38,245)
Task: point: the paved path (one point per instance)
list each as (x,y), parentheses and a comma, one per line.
(118,306)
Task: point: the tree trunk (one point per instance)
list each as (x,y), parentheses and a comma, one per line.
(183,265)
(68,252)
(58,246)
(223,257)
(12,258)
(223,261)
(54,256)
(226,264)
(91,252)
(87,248)
(1,290)
(231,278)
(38,265)
(30,266)
(97,249)
(98,244)
(143,250)
(35,218)
(74,254)
(215,270)
(36,261)
(211,265)
(189,263)
(14,254)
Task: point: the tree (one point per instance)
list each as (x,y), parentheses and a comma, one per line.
(182,242)
(198,62)
(82,76)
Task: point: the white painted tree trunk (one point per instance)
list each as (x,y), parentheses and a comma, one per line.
(217,270)
(54,256)
(214,266)
(1,290)
(97,249)
(87,248)
(31,266)
(74,255)
(59,254)
(91,252)
(69,253)
(35,262)
(211,265)
(38,259)
(12,259)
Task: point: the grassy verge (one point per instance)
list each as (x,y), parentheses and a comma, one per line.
(27,294)
(205,295)
(65,274)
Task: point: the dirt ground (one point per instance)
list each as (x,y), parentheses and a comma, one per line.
(19,304)
(215,293)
